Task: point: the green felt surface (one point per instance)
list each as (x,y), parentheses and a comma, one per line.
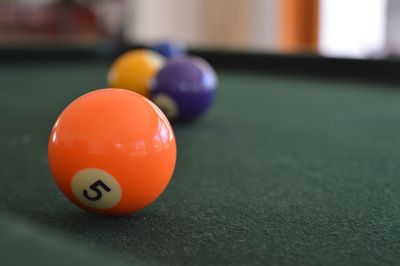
(24,244)
(282,171)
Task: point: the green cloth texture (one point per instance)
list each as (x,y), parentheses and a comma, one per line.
(283,170)
(24,244)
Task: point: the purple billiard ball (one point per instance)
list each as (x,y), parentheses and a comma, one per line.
(169,49)
(184,88)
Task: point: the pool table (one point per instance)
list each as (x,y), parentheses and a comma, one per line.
(296,167)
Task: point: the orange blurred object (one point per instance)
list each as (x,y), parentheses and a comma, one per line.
(134,70)
(298,25)
(112,152)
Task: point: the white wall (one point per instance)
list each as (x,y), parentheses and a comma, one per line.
(149,21)
(154,20)
(393,27)
(265,24)
(352,28)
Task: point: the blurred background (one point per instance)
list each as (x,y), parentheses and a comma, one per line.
(333,28)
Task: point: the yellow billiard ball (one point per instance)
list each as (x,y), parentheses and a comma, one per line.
(134,70)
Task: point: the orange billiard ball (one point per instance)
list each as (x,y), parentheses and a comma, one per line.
(112,151)
(134,70)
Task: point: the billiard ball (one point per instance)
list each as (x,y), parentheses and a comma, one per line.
(112,152)
(184,88)
(169,49)
(134,70)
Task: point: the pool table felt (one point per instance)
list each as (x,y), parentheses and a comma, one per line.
(283,170)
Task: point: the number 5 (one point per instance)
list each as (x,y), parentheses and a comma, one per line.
(95,187)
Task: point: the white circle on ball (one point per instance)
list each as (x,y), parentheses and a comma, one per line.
(167,104)
(96,188)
